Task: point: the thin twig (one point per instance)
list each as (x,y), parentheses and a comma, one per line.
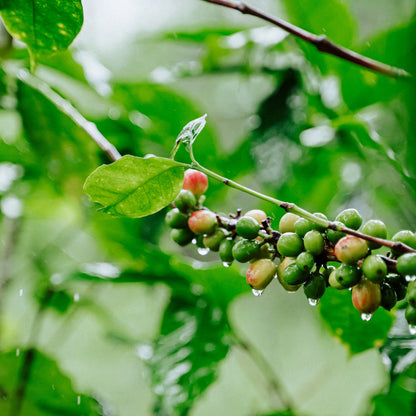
(321,42)
(67,108)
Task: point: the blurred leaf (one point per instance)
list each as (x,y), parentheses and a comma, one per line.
(36,380)
(187,353)
(135,187)
(345,322)
(45,27)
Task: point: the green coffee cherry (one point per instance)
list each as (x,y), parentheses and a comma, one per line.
(350,249)
(257,214)
(202,221)
(333,235)
(404,236)
(225,250)
(302,226)
(398,283)
(281,268)
(289,244)
(348,275)
(182,236)
(411,294)
(247,227)
(261,273)
(314,242)
(305,261)
(314,288)
(213,240)
(326,272)
(366,296)
(375,228)
(292,275)
(265,252)
(175,219)
(374,268)
(287,223)
(244,250)
(319,227)
(333,282)
(185,201)
(406,264)
(388,296)
(410,315)
(350,217)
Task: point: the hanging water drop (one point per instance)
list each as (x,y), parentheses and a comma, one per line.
(203,251)
(257,292)
(313,302)
(226,263)
(366,316)
(412,329)
(194,241)
(21,292)
(410,278)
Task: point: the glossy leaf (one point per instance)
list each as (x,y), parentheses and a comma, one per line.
(135,187)
(46,27)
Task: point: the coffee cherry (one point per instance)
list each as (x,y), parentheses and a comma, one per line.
(398,283)
(349,249)
(202,221)
(260,273)
(266,252)
(292,275)
(374,268)
(326,272)
(314,288)
(185,201)
(333,282)
(333,235)
(175,219)
(404,236)
(247,227)
(320,228)
(289,244)
(366,296)
(350,217)
(225,250)
(287,223)
(411,294)
(182,236)
(244,250)
(375,228)
(305,261)
(348,275)
(257,214)
(406,264)
(410,315)
(195,181)
(388,296)
(314,242)
(302,226)
(213,240)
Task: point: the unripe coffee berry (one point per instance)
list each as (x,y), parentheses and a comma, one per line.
(247,227)
(175,219)
(182,236)
(305,261)
(410,315)
(333,282)
(366,296)
(213,240)
(195,181)
(257,214)
(289,244)
(320,228)
(292,275)
(202,221)
(350,217)
(225,250)
(406,237)
(185,201)
(314,288)
(260,273)
(398,283)
(350,249)
(287,223)
(333,235)
(244,250)
(280,269)
(348,275)
(314,242)
(388,296)
(406,264)
(374,268)
(302,226)
(375,228)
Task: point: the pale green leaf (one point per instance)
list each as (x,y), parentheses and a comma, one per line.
(135,187)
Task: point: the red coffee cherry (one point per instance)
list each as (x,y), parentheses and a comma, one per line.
(202,221)
(261,273)
(366,296)
(350,249)
(195,181)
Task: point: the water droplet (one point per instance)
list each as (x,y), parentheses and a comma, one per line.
(17,352)
(78,400)
(257,292)
(366,316)
(313,302)
(226,263)
(410,278)
(194,241)
(203,251)
(412,329)
(76,297)
(21,292)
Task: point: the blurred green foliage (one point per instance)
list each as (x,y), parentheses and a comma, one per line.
(114,318)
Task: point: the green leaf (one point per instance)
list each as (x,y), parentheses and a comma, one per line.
(135,187)
(46,391)
(46,27)
(345,322)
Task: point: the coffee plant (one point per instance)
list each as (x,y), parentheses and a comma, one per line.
(134,233)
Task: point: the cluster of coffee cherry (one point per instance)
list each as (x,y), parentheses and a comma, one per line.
(300,252)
